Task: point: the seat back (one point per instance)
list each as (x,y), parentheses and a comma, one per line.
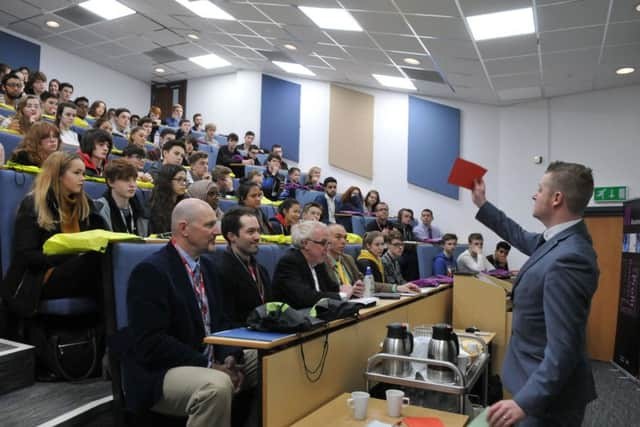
(213,153)
(306,196)
(9,141)
(226,204)
(221,139)
(357,225)
(94,189)
(119,142)
(269,210)
(426,253)
(124,258)
(353,249)
(14,186)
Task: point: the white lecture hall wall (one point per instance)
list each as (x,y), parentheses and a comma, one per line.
(598,128)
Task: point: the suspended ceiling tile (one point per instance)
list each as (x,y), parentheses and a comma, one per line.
(306,33)
(351,38)
(451,48)
(208,39)
(29,29)
(244,12)
(475,7)
(621,33)
(285,14)
(6,18)
(399,43)
(433,7)
(441,27)
(571,39)
(622,55)
(164,37)
(521,64)
(41,21)
(377,5)
(382,22)
(63,43)
(20,9)
(245,52)
(233,27)
(267,30)
(255,42)
(85,37)
(111,49)
(572,14)
(508,46)
(330,51)
(127,25)
(137,43)
(368,55)
(49,5)
(425,60)
(516,81)
(624,10)
(188,50)
(568,63)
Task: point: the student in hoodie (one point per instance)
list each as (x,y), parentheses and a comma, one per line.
(444,263)
(352,200)
(292,184)
(94,150)
(288,215)
(272,184)
(118,206)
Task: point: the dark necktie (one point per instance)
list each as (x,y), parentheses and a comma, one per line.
(541,241)
(429,233)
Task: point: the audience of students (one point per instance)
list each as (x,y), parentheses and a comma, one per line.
(426,230)
(170,187)
(42,140)
(472,260)
(65,115)
(94,151)
(287,216)
(118,207)
(499,257)
(444,264)
(57,204)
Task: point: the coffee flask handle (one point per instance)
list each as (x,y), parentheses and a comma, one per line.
(455,341)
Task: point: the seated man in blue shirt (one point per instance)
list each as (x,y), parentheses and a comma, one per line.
(444,263)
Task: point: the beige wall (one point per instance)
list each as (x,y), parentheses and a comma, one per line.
(351,131)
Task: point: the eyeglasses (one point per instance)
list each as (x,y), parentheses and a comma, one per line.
(320,242)
(382,209)
(14,85)
(182,181)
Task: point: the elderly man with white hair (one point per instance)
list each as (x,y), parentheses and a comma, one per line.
(300,278)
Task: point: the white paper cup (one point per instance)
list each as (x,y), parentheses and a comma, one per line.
(395,402)
(358,402)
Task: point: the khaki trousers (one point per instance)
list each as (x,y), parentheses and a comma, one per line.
(202,394)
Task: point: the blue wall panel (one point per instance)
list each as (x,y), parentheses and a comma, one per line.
(434,144)
(17,52)
(280,116)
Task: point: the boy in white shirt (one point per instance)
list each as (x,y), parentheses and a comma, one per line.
(472,260)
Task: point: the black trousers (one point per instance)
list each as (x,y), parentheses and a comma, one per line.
(564,419)
(79,276)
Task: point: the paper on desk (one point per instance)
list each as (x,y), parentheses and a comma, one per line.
(481,419)
(463,173)
(376,423)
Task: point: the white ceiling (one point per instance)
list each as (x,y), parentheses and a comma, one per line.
(578,46)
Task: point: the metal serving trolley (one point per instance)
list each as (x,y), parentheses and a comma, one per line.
(460,387)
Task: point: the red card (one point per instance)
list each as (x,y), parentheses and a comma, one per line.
(423,422)
(463,173)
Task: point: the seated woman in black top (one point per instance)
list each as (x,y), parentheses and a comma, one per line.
(95,147)
(352,200)
(169,189)
(288,215)
(40,142)
(371,255)
(250,195)
(57,204)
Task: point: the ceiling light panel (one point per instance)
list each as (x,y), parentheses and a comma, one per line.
(394,82)
(502,24)
(206,9)
(331,18)
(294,68)
(210,61)
(107,9)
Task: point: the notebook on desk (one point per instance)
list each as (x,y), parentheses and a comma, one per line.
(250,334)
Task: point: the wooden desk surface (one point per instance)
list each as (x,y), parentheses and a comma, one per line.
(381,307)
(337,414)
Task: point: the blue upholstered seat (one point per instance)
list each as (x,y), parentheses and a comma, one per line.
(9,141)
(426,253)
(13,187)
(68,306)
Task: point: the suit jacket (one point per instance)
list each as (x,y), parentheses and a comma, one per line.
(240,292)
(293,282)
(322,200)
(546,365)
(165,324)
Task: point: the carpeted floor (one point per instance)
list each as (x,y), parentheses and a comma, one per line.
(618,403)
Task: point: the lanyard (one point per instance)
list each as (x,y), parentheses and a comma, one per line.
(253,272)
(197,283)
(131,227)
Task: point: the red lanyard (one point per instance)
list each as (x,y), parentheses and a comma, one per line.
(197,282)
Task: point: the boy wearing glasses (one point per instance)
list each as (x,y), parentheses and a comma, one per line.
(12,88)
(472,260)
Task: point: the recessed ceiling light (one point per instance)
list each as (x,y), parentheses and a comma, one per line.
(206,9)
(638,7)
(625,70)
(290,47)
(210,61)
(411,61)
(502,24)
(193,36)
(52,24)
(331,18)
(294,68)
(395,82)
(159,70)
(107,9)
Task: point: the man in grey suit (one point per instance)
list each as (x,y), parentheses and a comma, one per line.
(546,366)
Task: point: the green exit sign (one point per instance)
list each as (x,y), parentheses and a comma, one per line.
(609,194)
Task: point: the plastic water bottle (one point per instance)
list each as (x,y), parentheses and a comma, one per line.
(368,283)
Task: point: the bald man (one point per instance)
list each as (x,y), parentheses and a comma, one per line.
(173,302)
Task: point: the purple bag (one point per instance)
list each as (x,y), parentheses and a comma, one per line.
(499,273)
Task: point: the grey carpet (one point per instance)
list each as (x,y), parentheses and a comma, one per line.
(43,401)
(618,403)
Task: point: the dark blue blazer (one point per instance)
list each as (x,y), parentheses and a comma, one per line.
(546,366)
(165,325)
(322,200)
